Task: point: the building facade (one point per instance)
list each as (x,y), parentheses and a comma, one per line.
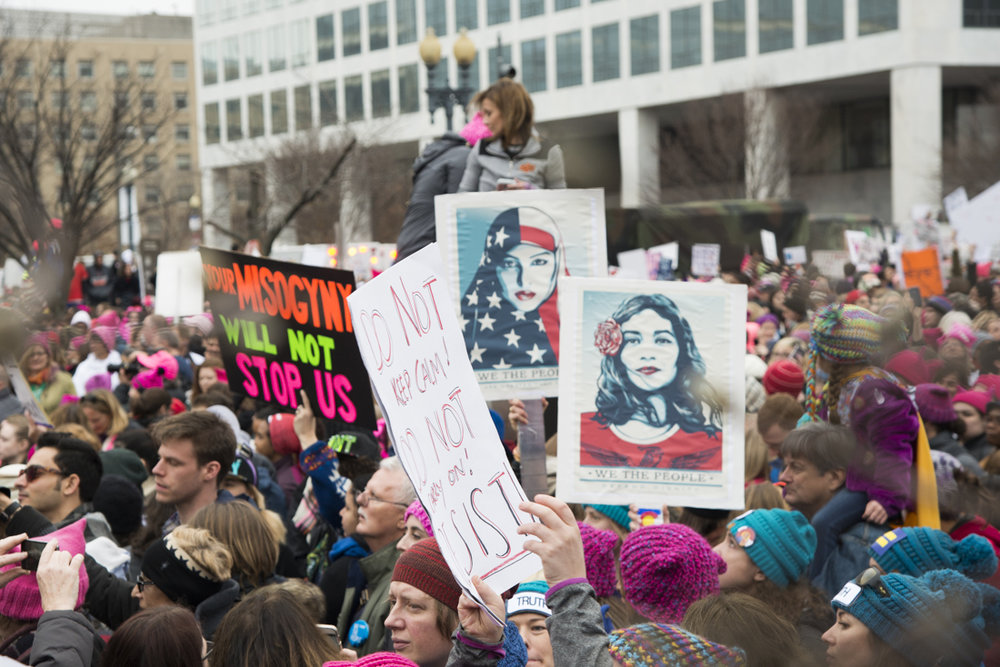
(623,84)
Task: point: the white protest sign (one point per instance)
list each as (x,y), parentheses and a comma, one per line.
(955,200)
(705,259)
(413,347)
(671,251)
(795,254)
(632,264)
(830,262)
(978,222)
(769,243)
(181,291)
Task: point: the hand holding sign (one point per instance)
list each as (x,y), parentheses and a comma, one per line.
(559,543)
(476,623)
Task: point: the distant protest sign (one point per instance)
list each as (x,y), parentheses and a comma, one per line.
(650,410)
(178,273)
(413,347)
(922,268)
(287,327)
(705,259)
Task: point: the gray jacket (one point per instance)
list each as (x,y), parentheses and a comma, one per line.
(576,627)
(537,164)
(65,639)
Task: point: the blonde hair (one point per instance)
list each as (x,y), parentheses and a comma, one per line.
(81,432)
(246,534)
(104,401)
(982,321)
(764,496)
(209,554)
(755,456)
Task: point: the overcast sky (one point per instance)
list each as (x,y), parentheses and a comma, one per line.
(184,7)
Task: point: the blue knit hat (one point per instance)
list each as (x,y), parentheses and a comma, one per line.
(529,599)
(914,551)
(617,513)
(779,542)
(941,618)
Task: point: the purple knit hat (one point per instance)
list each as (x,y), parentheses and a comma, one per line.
(934,404)
(666,568)
(417,510)
(599,555)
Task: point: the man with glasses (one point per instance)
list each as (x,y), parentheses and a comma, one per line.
(381,507)
(60,481)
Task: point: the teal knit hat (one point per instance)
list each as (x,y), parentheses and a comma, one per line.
(617,513)
(941,618)
(780,543)
(914,551)
(529,599)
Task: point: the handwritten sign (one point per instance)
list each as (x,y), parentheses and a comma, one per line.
(769,243)
(413,347)
(705,259)
(287,327)
(922,268)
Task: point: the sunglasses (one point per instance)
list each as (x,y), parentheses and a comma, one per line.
(33,472)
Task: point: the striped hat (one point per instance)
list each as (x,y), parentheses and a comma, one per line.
(662,644)
(423,567)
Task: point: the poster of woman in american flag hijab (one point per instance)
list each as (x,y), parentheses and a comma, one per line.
(506,252)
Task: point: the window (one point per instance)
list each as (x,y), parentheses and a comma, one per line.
(212,123)
(324,38)
(253,56)
(775,25)
(147,69)
(184,191)
(149,134)
(867,134)
(149,101)
(406,21)
(234,124)
(88,132)
(685,38)
(231,58)
(182,133)
(180,101)
(255,115)
(354,102)
(85,69)
(120,69)
(58,99)
(327,102)
(378,26)
(381,104)
(466,14)
(277,50)
(227,10)
(303,107)
(729,29)
(209,64)
(879,16)
(644,44)
(409,89)
(179,70)
(566,4)
(57,69)
(435,15)
(533,65)
(205,11)
(150,162)
(152,194)
(824,21)
(88,101)
(605,52)
(251,7)
(121,99)
(531,8)
(273,4)
(981,13)
(279,111)
(183,162)
(299,36)
(350,24)
(24,68)
(569,56)
(505,59)
(25,100)
(498,11)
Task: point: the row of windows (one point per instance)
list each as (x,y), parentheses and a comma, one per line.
(24,68)
(88,100)
(299,115)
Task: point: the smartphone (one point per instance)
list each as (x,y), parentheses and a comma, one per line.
(918,301)
(504,183)
(34,550)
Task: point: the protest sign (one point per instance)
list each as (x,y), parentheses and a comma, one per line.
(179,276)
(922,268)
(955,200)
(978,223)
(412,344)
(831,262)
(663,261)
(795,254)
(705,259)
(769,243)
(505,253)
(287,327)
(633,264)
(649,409)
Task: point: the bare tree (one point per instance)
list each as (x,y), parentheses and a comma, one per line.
(64,150)
(972,143)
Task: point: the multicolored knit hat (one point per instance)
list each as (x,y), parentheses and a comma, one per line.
(423,567)
(661,644)
(940,618)
(665,568)
(617,513)
(779,542)
(843,334)
(914,551)
(599,555)
(417,510)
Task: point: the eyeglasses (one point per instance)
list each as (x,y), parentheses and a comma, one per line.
(872,578)
(33,472)
(367,496)
(142,581)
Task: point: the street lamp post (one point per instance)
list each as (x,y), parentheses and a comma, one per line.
(129,175)
(443,96)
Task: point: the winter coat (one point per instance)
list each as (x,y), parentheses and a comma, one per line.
(377,569)
(92,366)
(9,404)
(50,395)
(99,284)
(540,165)
(65,639)
(576,626)
(437,170)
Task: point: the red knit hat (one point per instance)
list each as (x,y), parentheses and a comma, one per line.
(282,431)
(423,567)
(977,399)
(910,366)
(784,376)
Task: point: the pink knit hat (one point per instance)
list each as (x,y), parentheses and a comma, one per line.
(784,376)
(990,384)
(417,510)
(599,555)
(282,430)
(20,598)
(381,659)
(108,318)
(667,568)
(910,366)
(962,333)
(106,334)
(934,403)
(977,399)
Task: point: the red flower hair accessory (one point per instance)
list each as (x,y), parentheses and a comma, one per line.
(608,337)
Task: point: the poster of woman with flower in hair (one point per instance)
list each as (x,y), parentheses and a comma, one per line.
(506,253)
(652,387)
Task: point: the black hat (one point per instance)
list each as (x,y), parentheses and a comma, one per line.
(120,501)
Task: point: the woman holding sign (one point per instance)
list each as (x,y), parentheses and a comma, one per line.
(655,408)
